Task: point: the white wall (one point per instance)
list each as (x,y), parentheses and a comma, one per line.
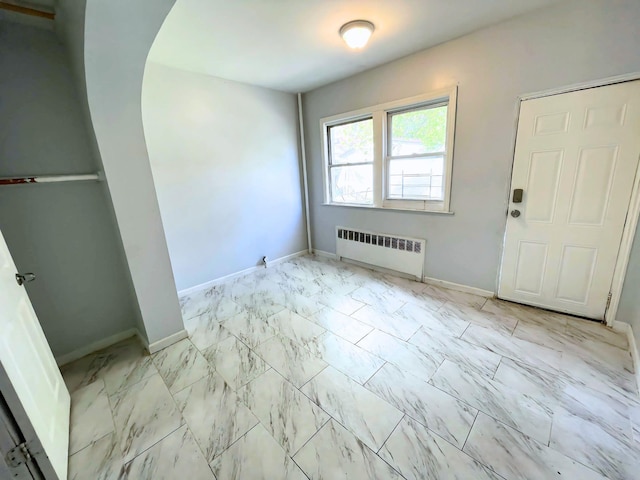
(117,37)
(573,42)
(63,232)
(224,157)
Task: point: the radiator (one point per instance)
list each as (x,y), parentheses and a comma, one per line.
(401,254)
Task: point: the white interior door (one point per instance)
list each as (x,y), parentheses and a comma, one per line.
(29,377)
(576,159)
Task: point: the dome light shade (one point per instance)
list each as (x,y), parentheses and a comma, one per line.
(356,34)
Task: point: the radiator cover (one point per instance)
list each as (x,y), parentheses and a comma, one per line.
(399,253)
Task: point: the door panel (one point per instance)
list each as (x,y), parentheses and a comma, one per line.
(576,159)
(41,401)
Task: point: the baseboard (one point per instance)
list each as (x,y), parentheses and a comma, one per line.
(96,346)
(241,273)
(167,341)
(633,346)
(459,287)
(322,253)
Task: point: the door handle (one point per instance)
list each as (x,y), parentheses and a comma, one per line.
(23,278)
(515,213)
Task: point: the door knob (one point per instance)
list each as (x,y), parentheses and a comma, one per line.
(23,278)
(515,213)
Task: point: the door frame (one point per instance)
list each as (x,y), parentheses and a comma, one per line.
(633,210)
(40,467)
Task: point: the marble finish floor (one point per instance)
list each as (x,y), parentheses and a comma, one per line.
(322,370)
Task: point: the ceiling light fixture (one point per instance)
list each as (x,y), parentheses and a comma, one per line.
(356,34)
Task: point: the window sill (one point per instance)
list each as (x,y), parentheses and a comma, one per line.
(393,209)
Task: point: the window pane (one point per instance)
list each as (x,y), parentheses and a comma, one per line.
(352,184)
(351,142)
(416,178)
(418,131)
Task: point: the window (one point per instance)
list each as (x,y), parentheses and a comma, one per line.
(351,162)
(397,155)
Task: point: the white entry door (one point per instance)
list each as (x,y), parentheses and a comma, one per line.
(576,159)
(29,377)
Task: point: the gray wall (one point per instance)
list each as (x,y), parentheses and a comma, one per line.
(629,308)
(117,37)
(573,42)
(62,232)
(224,157)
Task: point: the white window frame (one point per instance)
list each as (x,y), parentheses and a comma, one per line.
(379,114)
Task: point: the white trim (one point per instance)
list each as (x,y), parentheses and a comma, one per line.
(603,82)
(624,327)
(378,114)
(322,253)
(459,287)
(304,172)
(167,341)
(624,252)
(241,273)
(96,346)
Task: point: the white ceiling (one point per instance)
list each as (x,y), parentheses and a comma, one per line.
(293,45)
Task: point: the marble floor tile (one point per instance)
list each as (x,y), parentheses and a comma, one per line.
(530,415)
(440,412)
(204,332)
(294,326)
(215,414)
(591,445)
(335,284)
(368,417)
(101,460)
(526,314)
(595,331)
(291,360)
(609,414)
(529,380)
(289,416)
(237,364)
(516,456)
(514,348)
(144,414)
(175,456)
(180,365)
(340,324)
(249,328)
(256,456)
(452,310)
(90,416)
(591,372)
(120,366)
(335,454)
(386,322)
(80,373)
(472,357)
(406,356)
(349,359)
(460,298)
(413,314)
(214,302)
(383,300)
(301,305)
(341,303)
(419,454)
(395,282)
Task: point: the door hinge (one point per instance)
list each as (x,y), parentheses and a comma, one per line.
(18,455)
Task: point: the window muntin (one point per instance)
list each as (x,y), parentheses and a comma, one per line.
(415,175)
(351,152)
(416,156)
